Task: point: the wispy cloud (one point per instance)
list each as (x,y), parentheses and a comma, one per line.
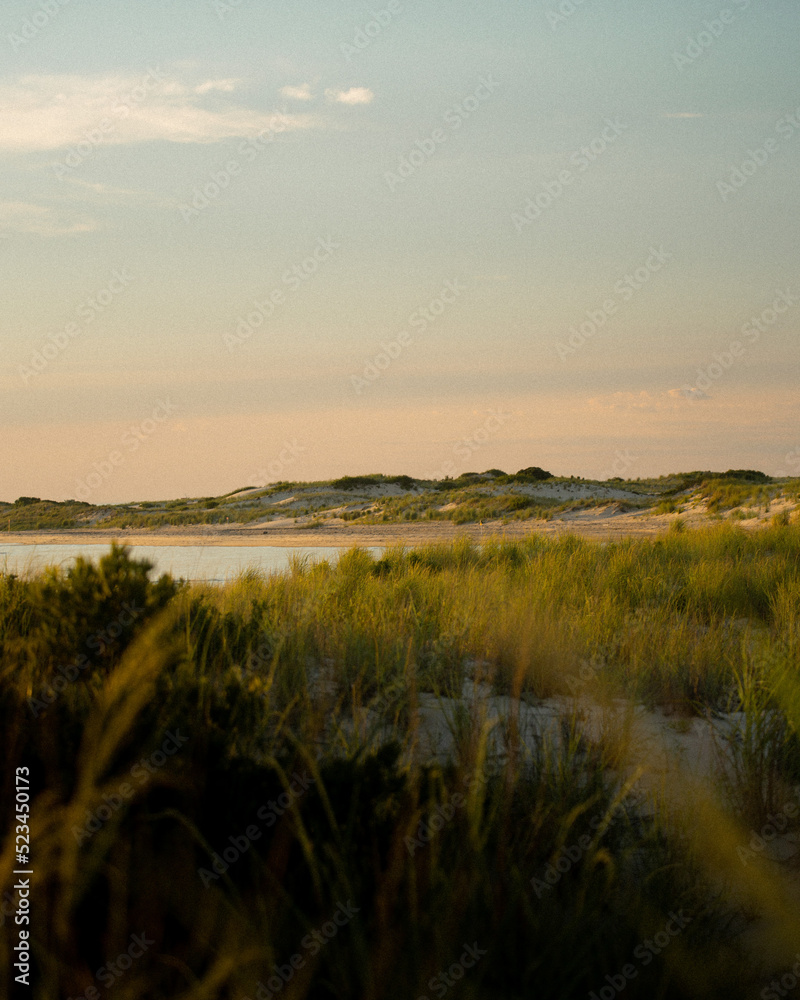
(20,217)
(107,192)
(644,401)
(355,95)
(301,93)
(624,401)
(226,86)
(55,112)
(688,393)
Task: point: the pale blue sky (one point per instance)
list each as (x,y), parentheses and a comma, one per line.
(198,80)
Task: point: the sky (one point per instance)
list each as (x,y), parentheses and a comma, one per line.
(244,242)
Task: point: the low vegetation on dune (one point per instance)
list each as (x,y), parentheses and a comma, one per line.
(34,514)
(239,775)
(493,496)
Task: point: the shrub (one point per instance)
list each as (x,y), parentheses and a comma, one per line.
(354,482)
(746,476)
(534,472)
(404,482)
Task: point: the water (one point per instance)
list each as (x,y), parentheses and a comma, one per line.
(212,563)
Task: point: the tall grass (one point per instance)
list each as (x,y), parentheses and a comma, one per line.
(320,674)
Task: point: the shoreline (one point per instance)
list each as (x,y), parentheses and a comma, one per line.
(588,525)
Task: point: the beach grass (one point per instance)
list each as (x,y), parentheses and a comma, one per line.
(493,496)
(238,774)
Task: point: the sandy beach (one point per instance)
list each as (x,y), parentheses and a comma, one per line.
(600,524)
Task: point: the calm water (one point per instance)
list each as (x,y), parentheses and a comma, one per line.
(214,563)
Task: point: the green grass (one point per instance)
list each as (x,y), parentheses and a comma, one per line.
(300,672)
(473,503)
(722,495)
